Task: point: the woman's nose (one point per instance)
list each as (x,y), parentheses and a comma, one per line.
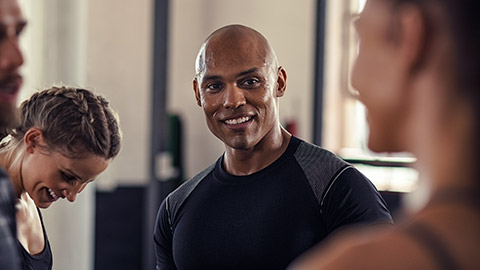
(70,194)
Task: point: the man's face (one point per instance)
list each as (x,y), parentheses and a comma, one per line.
(11,25)
(237,89)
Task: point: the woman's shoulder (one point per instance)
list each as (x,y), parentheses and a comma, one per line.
(376,248)
(433,238)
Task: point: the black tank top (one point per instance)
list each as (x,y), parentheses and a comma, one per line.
(431,240)
(41,261)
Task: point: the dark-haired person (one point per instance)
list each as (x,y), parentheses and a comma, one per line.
(418,73)
(271,195)
(64,139)
(12,23)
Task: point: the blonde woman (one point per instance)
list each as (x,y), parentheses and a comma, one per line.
(66,137)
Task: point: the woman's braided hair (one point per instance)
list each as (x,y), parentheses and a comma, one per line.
(74,121)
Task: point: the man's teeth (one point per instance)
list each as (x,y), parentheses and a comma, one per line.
(52,194)
(237,121)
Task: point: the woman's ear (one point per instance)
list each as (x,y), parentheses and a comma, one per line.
(33,139)
(412,40)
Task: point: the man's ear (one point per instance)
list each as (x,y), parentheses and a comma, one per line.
(197,92)
(281,81)
(33,139)
(412,40)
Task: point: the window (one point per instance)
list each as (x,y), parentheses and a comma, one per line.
(345,130)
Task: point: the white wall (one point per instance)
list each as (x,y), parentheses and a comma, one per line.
(55,51)
(119,61)
(288,25)
(118,64)
(332,137)
(106,46)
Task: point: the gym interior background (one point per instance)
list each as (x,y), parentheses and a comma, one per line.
(140,54)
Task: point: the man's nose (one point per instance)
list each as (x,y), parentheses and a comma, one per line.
(11,56)
(234,97)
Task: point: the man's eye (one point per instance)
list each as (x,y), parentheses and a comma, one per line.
(214,86)
(19,29)
(3,34)
(250,82)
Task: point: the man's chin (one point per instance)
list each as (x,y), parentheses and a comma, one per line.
(239,143)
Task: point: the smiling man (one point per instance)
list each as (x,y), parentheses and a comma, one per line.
(270,196)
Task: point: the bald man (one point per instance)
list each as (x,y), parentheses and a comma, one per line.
(11,58)
(271,195)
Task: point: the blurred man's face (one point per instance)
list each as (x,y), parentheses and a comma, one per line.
(11,25)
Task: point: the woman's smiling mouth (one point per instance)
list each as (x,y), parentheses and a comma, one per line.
(52,195)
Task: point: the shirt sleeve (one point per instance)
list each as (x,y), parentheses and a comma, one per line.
(163,237)
(9,257)
(352,199)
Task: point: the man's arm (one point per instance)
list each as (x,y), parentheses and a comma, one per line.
(352,199)
(9,258)
(162,238)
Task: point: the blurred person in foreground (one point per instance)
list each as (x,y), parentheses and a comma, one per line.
(12,23)
(271,195)
(64,139)
(418,73)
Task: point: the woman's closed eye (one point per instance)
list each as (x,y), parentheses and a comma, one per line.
(68,177)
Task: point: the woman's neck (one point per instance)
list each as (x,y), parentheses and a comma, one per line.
(11,159)
(446,154)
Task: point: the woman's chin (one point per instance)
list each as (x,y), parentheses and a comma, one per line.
(43,205)
(379,146)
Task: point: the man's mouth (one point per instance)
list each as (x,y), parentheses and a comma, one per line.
(9,90)
(9,87)
(238,121)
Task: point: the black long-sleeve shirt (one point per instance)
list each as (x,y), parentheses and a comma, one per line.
(266,219)
(9,257)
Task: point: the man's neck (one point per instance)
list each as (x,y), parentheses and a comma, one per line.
(248,161)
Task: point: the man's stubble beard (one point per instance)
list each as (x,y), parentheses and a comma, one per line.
(8,116)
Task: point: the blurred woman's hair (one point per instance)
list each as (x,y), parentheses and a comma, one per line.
(462,23)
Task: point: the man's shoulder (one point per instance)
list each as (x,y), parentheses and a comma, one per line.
(320,166)
(192,182)
(176,198)
(316,156)
(6,189)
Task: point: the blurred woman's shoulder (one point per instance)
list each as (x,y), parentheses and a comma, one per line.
(435,238)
